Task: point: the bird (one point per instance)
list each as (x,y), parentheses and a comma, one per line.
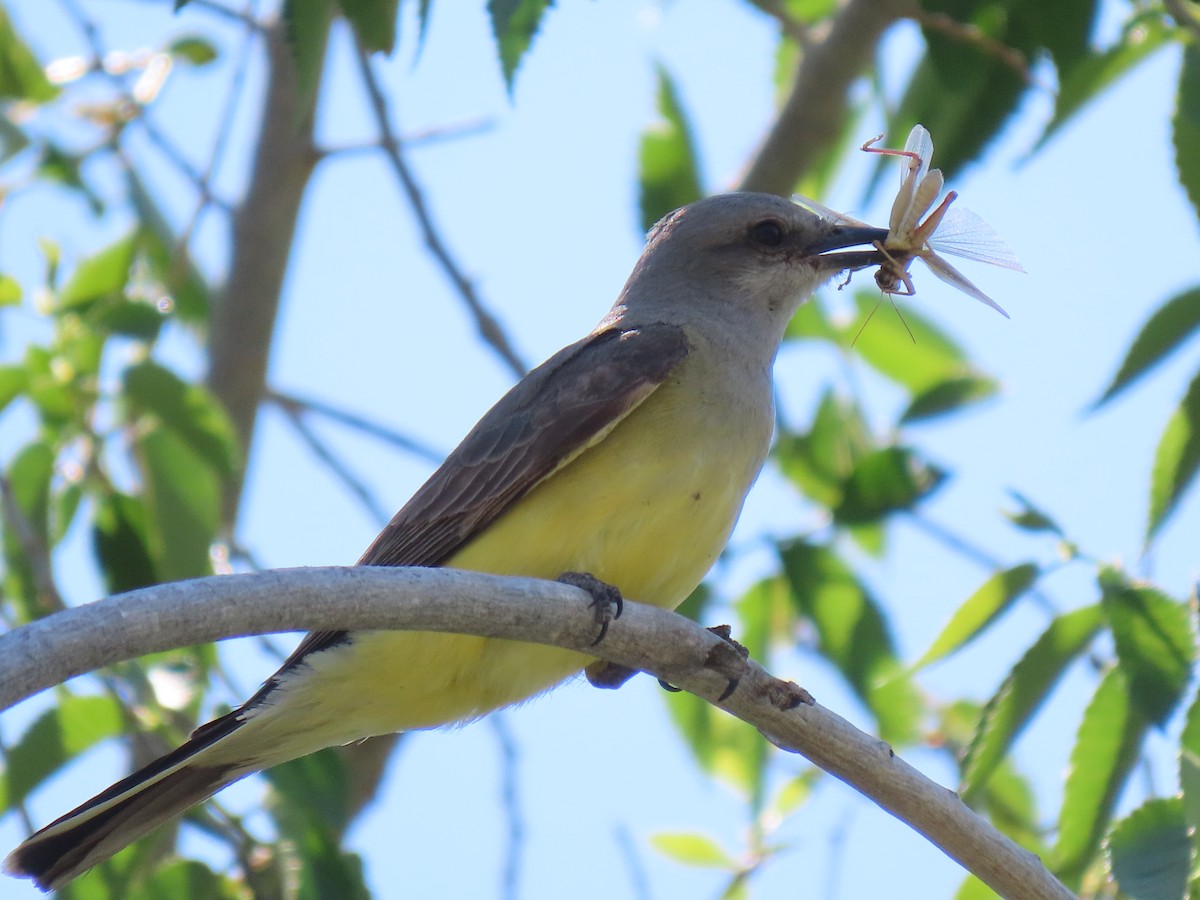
(622,460)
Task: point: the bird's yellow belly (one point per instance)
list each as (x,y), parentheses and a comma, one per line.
(649,520)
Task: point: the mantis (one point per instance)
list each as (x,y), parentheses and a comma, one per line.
(916,233)
(957,231)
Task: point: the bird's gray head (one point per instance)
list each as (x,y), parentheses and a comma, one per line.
(740,254)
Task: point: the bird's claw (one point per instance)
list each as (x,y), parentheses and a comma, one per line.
(607,603)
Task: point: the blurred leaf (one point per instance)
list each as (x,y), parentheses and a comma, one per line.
(883,482)
(1189,767)
(1024,690)
(65,168)
(188,410)
(974,889)
(980,609)
(183,501)
(919,362)
(852,633)
(26,524)
(374,22)
(13,382)
(819,462)
(21,75)
(311,796)
(948,396)
(1186,125)
(121,544)
(1106,749)
(10,291)
(168,258)
(307,23)
(102,275)
(1176,460)
(810,321)
(668,177)
(692,850)
(57,737)
(1149,852)
(1089,76)
(132,318)
(185,878)
(197,50)
(45,386)
(514,24)
(1154,640)
(66,505)
(1030,518)
(1172,324)
(12,139)
(725,748)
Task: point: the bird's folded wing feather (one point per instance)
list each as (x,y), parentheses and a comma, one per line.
(563,407)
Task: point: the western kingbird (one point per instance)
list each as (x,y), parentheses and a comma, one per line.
(626,455)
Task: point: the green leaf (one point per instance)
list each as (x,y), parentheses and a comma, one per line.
(1087,78)
(1172,324)
(170,263)
(668,177)
(974,889)
(102,275)
(1024,690)
(1030,518)
(819,462)
(1176,460)
(132,318)
(10,291)
(1155,644)
(307,23)
(54,739)
(982,608)
(374,22)
(311,800)
(852,633)
(21,75)
(183,501)
(883,482)
(194,49)
(725,748)
(948,396)
(121,543)
(58,165)
(1189,767)
(514,24)
(1149,852)
(13,382)
(692,850)
(188,410)
(919,362)
(1185,125)
(185,878)
(1106,749)
(29,476)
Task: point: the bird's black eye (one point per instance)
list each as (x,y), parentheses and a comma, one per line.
(767,233)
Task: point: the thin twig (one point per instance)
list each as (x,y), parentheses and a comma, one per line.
(966,33)
(341,471)
(1185,15)
(435,135)
(290,403)
(488,326)
(510,800)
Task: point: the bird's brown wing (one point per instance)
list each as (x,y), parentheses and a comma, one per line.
(556,412)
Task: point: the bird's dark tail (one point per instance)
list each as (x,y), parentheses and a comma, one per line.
(112,820)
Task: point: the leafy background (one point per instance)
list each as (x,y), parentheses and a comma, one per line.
(976,539)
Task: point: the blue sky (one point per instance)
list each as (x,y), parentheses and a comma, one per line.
(541,208)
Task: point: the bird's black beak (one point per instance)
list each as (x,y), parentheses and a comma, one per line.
(839,237)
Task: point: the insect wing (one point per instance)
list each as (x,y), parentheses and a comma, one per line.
(962,233)
(952,276)
(920,142)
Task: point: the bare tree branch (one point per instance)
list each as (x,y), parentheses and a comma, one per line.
(812,116)
(243,322)
(489,328)
(662,643)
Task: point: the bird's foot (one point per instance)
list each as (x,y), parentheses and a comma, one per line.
(606,604)
(728,658)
